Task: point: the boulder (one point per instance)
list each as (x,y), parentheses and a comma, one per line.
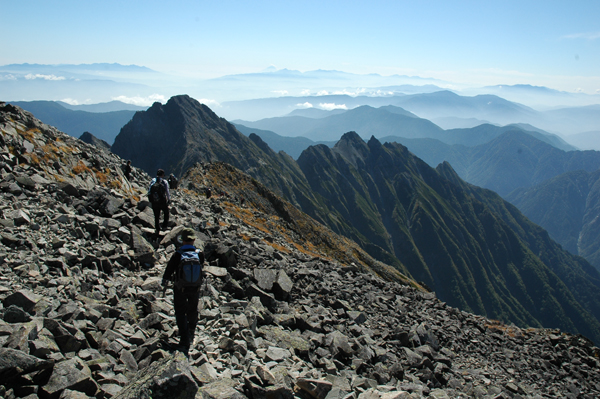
(15,362)
(169,377)
(24,299)
(73,374)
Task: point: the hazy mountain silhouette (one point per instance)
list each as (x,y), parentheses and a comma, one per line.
(103,107)
(103,125)
(440,105)
(387,121)
(586,140)
(512,160)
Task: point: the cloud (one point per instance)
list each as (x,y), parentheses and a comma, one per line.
(209,102)
(332,106)
(323,93)
(347,92)
(585,35)
(142,101)
(72,101)
(31,76)
(305,92)
(281,92)
(8,77)
(305,105)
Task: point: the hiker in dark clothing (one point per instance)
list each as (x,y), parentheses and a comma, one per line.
(127,170)
(185,300)
(159,196)
(172,180)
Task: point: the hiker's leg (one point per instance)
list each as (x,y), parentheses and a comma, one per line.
(156,209)
(166,221)
(180,305)
(192,313)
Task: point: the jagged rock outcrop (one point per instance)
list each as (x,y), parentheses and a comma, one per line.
(83,316)
(89,138)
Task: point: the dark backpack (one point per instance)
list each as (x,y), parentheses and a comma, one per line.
(158,192)
(189,270)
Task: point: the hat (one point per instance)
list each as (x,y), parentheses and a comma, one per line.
(188,234)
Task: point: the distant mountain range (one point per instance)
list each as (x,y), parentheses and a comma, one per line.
(102,82)
(474,249)
(388,121)
(442,106)
(111,106)
(587,140)
(75,120)
(491,164)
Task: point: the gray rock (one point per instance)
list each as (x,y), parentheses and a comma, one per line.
(221,389)
(73,374)
(169,377)
(19,217)
(111,205)
(143,251)
(283,286)
(14,362)
(317,389)
(24,299)
(14,314)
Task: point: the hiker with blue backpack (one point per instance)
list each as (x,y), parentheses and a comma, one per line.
(159,197)
(185,271)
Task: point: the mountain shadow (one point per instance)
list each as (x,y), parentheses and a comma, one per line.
(568,207)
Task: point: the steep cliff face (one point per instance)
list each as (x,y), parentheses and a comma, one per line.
(472,248)
(568,206)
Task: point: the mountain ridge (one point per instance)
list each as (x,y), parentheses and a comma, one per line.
(392,204)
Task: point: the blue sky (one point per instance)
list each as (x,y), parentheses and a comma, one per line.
(550,43)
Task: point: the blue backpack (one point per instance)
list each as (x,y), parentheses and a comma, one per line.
(189,271)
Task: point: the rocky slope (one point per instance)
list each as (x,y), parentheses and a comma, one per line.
(83,314)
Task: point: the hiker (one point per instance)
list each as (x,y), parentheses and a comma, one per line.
(172,182)
(185,271)
(127,170)
(159,196)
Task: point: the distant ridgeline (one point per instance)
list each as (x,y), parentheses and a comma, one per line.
(474,249)
(513,160)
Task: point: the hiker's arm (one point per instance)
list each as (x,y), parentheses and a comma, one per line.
(170,269)
(150,187)
(168,192)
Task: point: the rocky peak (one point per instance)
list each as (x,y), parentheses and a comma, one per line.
(260,143)
(179,134)
(89,138)
(352,147)
(83,315)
